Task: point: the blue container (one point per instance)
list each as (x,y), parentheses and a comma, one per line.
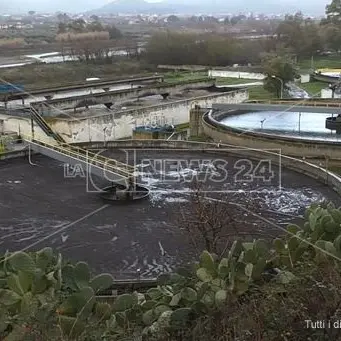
(7,88)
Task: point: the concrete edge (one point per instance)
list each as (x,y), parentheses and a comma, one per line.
(301,166)
(14,154)
(220,115)
(322,175)
(295,148)
(157,106)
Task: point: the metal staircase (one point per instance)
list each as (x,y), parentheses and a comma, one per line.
(44,126)
(94,163)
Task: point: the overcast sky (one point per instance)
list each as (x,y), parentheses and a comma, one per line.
(307,6)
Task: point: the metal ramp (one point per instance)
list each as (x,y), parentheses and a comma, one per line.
(99,165)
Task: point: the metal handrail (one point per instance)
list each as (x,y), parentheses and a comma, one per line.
(304,104)
(79,151)
(100,157)
(103,158)
(159,87)
(85,158)
(42,121)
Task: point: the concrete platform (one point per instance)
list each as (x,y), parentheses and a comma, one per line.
(42,206)
(108,98)
(134,103)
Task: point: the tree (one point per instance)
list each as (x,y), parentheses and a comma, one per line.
(277,68)
(333,12)
(290,33)
(62,28)
(95,26)
(94,18)
(332,25)
(32,12)
(313,41)
(183,48)
(301,36)
(208,223)
(77,26)
(211,223)
(234,20)
(172,48)
(114,32)
(332,36)
(173,18)
(211,19)
(63,17)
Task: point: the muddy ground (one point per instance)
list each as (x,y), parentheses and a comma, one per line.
(36,202)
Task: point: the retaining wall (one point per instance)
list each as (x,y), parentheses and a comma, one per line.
(118,125)
(22,126)
(14,154)
(235,74)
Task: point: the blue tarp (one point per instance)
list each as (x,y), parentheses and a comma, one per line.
(5,88)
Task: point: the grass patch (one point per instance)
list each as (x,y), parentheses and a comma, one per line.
(37,76)
(313,88)
(8,43)
(335,169)
(182,126)
(258,93)
(320,63)
(174,77)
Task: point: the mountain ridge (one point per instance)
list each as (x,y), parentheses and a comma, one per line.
(314,7)
(309,7)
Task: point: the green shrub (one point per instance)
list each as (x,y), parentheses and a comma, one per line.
(271,283)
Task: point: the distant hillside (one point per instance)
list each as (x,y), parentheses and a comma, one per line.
(44,6)
(312,7)
(143,7)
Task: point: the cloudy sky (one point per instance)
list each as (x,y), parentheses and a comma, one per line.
(307,6)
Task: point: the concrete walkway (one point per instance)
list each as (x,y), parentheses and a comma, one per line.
(243,85)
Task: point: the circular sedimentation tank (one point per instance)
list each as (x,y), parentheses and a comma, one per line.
(294,125)
(336,73)
(41,205)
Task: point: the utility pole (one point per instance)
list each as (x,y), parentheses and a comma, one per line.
(312,63)
(32,126)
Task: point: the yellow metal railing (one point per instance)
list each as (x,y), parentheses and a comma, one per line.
(99,157)
(107,164)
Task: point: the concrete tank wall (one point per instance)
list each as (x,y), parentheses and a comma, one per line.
(120,124)
(22,126)
(301,166)
(235,74)
(290,147)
